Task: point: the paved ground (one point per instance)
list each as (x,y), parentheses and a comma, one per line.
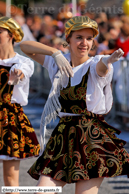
(117,185)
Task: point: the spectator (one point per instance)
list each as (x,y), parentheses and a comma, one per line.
(27,33)
(103,41)
(123,40)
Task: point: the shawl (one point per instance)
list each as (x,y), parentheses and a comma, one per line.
(52,107)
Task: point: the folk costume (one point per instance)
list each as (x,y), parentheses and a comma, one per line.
(82,145)
(17,137)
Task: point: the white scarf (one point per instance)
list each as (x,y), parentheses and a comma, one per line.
(52,106)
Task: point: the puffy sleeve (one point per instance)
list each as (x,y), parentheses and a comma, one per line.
(51,66)
(99,93)
(21,90)
(27,67)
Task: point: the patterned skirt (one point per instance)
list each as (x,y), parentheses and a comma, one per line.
(81,148)
(17,137)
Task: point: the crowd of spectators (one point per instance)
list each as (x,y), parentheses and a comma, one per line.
(113,34)
(113,31)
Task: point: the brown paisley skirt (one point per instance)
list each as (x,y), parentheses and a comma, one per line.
(17,136)
(81,148)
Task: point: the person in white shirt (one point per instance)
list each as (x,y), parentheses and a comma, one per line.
(83,148)
(17,137)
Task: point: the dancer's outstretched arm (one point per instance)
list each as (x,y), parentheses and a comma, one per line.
(103,66)
(37,52)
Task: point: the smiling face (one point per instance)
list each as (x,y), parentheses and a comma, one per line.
(81,42)
(5,37)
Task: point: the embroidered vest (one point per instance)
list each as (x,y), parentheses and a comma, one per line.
(73,98)
(5,89)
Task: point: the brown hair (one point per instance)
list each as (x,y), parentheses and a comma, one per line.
(10,34)
(65,44)
(69,36)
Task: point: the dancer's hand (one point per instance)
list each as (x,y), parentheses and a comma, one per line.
(15,76)
(63,64)
(115,56)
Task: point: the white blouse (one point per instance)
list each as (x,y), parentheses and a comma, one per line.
(21,90)
(99,95)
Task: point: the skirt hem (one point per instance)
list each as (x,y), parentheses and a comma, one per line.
(38,176)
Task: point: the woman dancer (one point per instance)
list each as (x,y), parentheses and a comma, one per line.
(17,137)
(83,148)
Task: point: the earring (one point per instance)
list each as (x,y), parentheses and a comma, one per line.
(65,44)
